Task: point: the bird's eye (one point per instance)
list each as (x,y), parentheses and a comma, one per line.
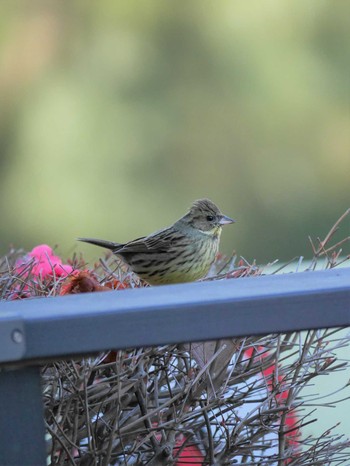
(210,218)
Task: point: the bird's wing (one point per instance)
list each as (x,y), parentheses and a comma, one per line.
(159,241)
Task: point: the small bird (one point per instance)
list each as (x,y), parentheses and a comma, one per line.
(180,253)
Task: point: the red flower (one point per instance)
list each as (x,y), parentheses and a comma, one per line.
(81,282)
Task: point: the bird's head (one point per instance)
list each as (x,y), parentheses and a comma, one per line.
(205,216)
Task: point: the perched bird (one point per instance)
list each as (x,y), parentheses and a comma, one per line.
(180,253)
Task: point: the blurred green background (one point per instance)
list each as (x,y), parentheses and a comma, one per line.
(115,116)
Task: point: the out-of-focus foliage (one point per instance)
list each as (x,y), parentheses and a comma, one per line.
(115,116)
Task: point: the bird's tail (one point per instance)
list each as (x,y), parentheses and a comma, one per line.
(102,243)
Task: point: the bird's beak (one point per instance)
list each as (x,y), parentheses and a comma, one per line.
(224,220)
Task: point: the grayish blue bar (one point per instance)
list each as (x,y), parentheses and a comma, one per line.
(88,323)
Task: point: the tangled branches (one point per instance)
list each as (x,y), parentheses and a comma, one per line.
(237,401)
(218,403)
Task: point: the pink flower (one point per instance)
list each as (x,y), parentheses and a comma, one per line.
(41,262)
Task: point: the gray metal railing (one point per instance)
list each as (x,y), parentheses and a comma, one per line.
(38,330)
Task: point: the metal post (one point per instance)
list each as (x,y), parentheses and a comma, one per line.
(22,429)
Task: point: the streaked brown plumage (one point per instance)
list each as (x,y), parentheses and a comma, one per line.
(182,252)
